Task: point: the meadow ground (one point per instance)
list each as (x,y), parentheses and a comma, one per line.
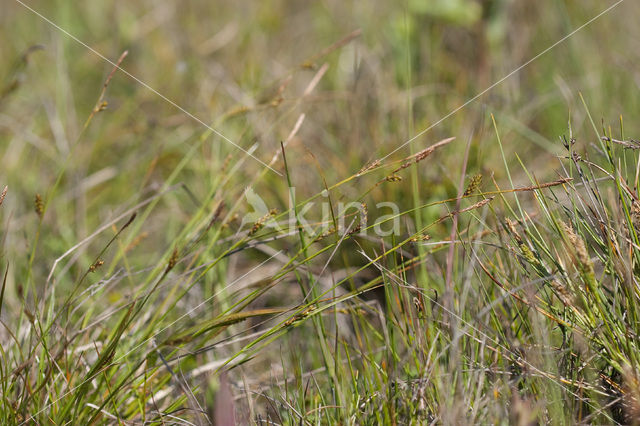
(332,212)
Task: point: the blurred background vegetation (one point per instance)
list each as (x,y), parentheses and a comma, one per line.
(226,62)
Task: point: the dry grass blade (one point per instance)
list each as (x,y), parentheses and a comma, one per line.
(542,185)
(421,155)
(337,45)
(368,167)
(3,194)
(316,79)
(477,205)
(629,144)
(224,405)
(101,104)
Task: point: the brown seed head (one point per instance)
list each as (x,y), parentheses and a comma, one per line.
(39,205)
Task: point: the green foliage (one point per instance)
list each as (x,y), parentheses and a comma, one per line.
(154,270)
(460,12)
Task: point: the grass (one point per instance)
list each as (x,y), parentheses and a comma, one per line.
(152,272)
